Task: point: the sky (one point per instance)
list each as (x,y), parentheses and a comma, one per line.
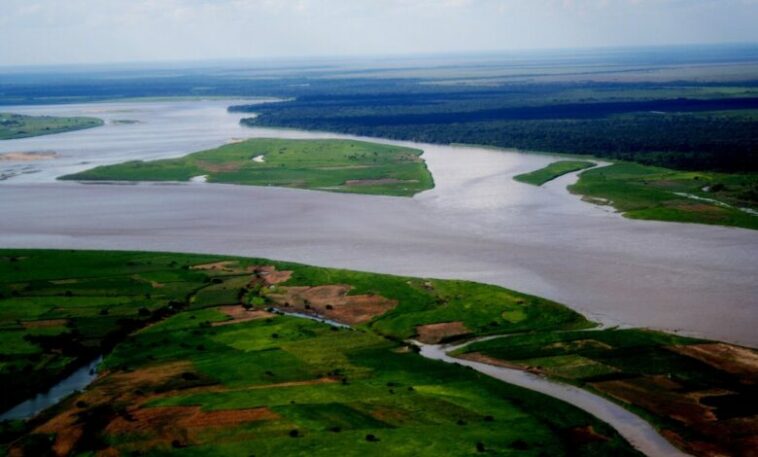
(49,32)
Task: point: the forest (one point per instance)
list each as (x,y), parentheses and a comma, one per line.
(674,132)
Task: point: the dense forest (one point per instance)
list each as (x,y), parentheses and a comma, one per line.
(682,133)
(623,105)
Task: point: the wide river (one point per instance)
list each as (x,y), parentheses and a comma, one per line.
(477,223)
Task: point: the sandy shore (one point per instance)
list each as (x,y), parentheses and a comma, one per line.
(28,156)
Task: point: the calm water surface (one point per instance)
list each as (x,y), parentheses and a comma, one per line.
(75,382)
(476,224)
(631,427)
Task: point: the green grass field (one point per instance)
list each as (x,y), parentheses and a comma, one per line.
(331,165)
(701,392)
(645,192)
(20,126)
(197,364)
(176,382)
(552,171)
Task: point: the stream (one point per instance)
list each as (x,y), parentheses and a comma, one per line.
(74,382)
(632,428)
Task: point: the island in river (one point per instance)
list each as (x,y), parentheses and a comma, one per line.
(14,126)
(331,165)
(655,193)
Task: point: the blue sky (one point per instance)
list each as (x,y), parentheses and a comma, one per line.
(102,31)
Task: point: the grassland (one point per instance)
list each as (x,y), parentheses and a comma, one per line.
(202,368)
(331,165)
(701,394)
(654,193)
(552,171)
(20,126)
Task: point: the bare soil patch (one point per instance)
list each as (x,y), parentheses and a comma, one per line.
(226,265)
(271,275)
(238,314)
(29,156)
(47,323)
(739,361)
(390,415)
(658,397)
(67,432)
(113,388)
(124,385)
(162,419)
(309,382)
(702,208)
(579,344)
(704,449)
(436,333)
(481,358)
(580,436)
(333,302)
(218,167)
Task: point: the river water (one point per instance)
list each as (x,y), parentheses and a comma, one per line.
(635,430)
(74,382)
(476,224)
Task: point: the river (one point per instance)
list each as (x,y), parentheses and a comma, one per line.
(477,223)
(635,430)
(74,382)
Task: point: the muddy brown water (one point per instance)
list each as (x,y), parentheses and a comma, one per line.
(476,224)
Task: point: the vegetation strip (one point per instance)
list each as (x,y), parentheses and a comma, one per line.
(14,126)
(552,171)
(330,165)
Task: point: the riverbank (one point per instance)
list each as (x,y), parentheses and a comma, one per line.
(220,364)
(654,193)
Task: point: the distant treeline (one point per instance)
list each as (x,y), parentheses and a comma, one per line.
(684,124)
(682,133)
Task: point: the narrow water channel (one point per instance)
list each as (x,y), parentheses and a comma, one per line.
(632,428)
(638,432)
(75,382)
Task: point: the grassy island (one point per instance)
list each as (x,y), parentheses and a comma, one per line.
(330,165)
(14,126)
(552,171)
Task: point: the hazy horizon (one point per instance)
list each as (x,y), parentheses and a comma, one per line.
(48,33)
